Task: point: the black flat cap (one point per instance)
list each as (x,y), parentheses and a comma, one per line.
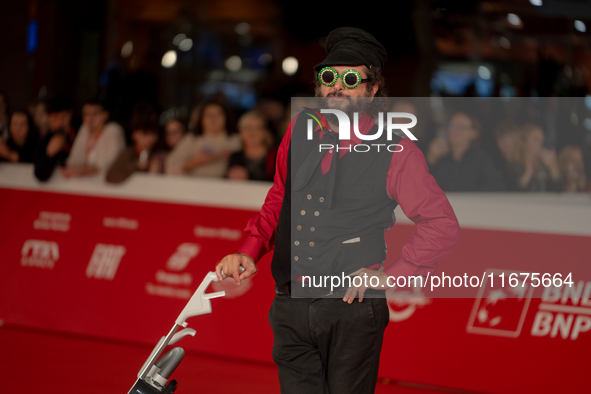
(351,46)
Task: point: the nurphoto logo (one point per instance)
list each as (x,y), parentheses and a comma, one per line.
(345,125)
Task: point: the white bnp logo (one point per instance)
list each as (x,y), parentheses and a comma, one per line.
(564,312)
(500,311)
(104,261)
(180,259)
(41,254)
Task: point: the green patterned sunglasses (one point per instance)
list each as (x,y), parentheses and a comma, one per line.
(350,78)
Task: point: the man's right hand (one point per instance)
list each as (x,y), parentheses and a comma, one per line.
(231,266)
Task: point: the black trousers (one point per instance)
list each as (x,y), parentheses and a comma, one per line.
(324,345)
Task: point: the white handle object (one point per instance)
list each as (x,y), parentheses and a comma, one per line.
(199,303)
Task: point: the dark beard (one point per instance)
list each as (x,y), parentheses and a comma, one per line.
(358,105)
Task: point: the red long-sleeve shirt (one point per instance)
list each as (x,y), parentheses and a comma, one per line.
(409,183)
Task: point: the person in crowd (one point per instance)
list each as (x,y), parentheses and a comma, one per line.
(97,144)
(506,135)
(205,153)
(273,110)
(457,163)
(174,130)
(572,167)
(421,129)
(53,149)
(4,111)
(137,157)
(534,168)
(38,111)
(22,139)
(256,160)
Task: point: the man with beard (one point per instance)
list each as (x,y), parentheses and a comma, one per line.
(326,215)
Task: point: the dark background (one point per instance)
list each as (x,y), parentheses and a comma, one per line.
(78,51)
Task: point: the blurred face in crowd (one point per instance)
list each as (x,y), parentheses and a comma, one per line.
(174,131)
(572,163)
(94,117)
(144,140)
(273,110)
(461,131)
(534,141)
(252,131)
(214,119)
(19,127)
(59,120)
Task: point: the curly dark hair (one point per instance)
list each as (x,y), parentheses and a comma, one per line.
(374,74)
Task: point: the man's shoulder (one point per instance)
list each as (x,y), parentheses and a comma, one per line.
(306,113)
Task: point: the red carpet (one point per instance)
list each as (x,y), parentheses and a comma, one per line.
(35,362)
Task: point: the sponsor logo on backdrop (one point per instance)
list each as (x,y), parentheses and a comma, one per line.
(104,261)
(175,284)
(500,311)
(40,254)
(404,303)
(54,221)
(221,233)
(183,279)
(124,223)
(180,259)
(565,312)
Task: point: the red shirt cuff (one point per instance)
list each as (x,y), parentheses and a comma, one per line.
(401,267)
(252,247)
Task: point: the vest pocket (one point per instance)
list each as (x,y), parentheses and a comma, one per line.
(360,250)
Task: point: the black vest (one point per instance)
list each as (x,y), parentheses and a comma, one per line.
(333,223)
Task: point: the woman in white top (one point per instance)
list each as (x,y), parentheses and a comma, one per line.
(205,152)
(96,145)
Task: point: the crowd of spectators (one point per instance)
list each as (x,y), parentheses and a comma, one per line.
(516,161)
(515,158)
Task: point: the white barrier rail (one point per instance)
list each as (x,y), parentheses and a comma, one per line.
(528,212)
